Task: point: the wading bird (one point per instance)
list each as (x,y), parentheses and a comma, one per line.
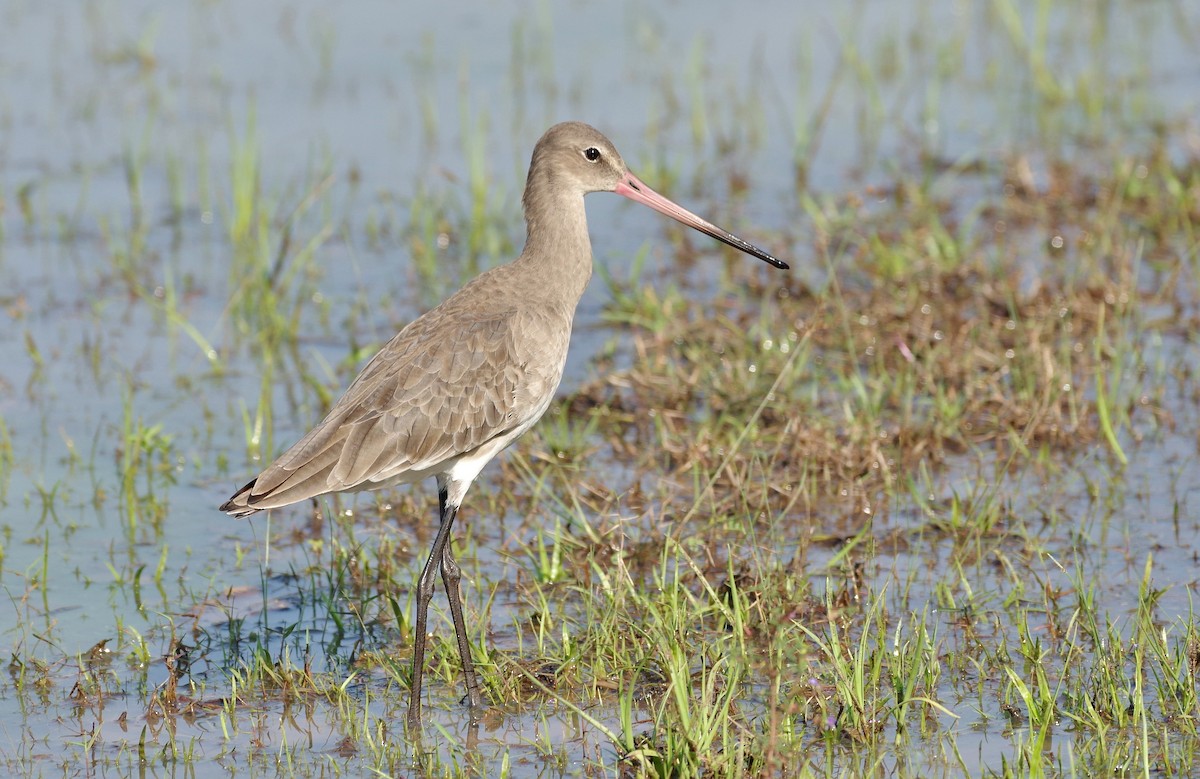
(467,378)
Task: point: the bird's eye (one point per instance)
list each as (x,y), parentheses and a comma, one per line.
(591,153)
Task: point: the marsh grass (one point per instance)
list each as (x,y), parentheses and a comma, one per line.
(754,596)
(884,514)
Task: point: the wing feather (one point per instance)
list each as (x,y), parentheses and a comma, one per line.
(445,385)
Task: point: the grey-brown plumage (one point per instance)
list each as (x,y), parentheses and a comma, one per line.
(464,380)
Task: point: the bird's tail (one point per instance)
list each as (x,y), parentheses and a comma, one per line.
(239,505)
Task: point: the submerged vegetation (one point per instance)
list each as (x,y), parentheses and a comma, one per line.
(923,507)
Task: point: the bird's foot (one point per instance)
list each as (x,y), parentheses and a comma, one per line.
(476,708)
(415,726)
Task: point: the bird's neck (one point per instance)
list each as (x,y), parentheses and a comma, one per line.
(557,247)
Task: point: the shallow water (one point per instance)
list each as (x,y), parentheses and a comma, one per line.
(121,123)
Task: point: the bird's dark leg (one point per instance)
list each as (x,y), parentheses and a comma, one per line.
(424,595)
(451,575)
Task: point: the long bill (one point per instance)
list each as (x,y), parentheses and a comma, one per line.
(633,188)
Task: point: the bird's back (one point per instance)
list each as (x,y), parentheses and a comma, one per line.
(481,366)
